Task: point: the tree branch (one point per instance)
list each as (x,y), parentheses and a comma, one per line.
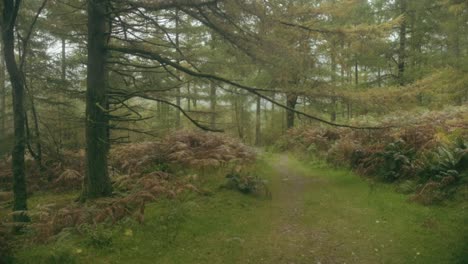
(28,36)
(157,5)
(165,61)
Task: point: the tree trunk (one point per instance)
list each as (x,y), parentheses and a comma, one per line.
(379,77)
(37,134)
(97,182)
(291,101)
(356,73)
(61,99)
(188,97)
(194,97)
(258,122)
(177,111)
(177,44)
(402,47)
(333,79)
(238,116)
(213,104)
(17,84)
(2,94)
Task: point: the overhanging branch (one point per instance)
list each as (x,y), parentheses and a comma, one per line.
(140,52)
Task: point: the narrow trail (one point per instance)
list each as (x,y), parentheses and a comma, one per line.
(291,235)
(292,239)
(323,216)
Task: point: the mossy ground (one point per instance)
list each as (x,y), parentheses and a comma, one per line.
(316,215)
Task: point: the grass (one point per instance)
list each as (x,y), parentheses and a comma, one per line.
(372,223)
(335,217)
(191,229)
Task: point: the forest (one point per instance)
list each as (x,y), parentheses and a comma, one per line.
(234,131)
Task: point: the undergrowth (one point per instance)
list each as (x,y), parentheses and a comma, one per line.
(428,158)
(141,174)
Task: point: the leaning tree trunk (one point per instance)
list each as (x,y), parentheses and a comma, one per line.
(97,182)
(10,11)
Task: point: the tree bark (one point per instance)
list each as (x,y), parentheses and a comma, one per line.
(10,11)
(97,183)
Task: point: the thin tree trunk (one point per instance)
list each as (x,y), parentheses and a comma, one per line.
(178,103)
(17,82)
(37,134)
(258,123)
(379,77)
(159,112)
(213,104)
(291,101)
(2,95)
(60,106)
(240,129)
(333,79)
(402,47)
(188,97)
(356,73)
(97,182)
(272,115)
(195,93)
(177,43)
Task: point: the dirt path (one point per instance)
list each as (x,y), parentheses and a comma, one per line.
(293,239)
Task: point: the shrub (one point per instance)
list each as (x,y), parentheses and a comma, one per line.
(395,162)
(342,153)
(206,150)
(190,149)
(247,184)
(446,161)
(68,180)
(407,187)
(97,237)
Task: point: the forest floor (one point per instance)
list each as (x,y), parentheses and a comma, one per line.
(316,215)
